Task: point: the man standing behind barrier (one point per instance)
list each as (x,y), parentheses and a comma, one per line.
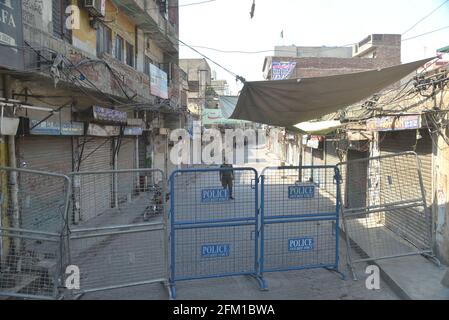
(227,177)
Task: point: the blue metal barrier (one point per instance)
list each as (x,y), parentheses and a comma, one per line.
(212,235)
(299,219)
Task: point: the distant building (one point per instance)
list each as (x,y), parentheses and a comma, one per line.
(291,62)
(199,77)
(221,87)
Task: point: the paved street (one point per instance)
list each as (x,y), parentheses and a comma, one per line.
(133,262)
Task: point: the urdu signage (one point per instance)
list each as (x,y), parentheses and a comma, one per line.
(11,34)
(394,123)
(281,70)
(56,128)
(111,116)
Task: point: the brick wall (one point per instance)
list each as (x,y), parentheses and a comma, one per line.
(318,67)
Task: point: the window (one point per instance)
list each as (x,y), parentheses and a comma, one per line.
(119,48)
(130,54)
(59,20)
(104,40)
(163,7)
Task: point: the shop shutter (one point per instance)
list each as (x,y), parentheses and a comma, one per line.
(318,160)
(126,161)
(402,141)
(415,229)
(43,153)
(95,190)
(356,180)
(331,159)
(331,154)
(307,160)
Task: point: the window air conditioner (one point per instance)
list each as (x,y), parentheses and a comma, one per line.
(96,8)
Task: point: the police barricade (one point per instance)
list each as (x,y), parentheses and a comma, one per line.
(213,233)
(299,219)
(384,212)
(33,216)
(118,231)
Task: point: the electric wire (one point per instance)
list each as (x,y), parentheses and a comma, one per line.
(425,17)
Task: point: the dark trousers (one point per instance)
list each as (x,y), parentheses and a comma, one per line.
(227,183)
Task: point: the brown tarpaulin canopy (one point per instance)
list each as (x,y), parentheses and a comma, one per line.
(286,103)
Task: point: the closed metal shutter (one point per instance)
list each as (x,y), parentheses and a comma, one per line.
(95,190)
(331,159)
(402,141)
(318,160)
(307,173)
(126,156)
(331,154)
(126,161)
(46,153)
(43,210)
(406,221)
(356,180)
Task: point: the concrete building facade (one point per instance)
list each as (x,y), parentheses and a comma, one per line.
(114,57)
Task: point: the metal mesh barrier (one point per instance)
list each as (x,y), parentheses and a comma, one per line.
(213,232)
(33,211)
(385,214)
(299,218)
(34,269)
(118,234)
(118,257)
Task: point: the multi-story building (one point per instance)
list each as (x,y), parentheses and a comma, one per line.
(199,77)
(375,51)
(96,84)
(220,87)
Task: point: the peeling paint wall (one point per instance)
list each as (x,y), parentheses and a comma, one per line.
(86,37)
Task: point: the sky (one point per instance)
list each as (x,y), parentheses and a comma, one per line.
(226,25)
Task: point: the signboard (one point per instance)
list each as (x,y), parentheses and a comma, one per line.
(109,116)
(159,82)
(11,34)
(215,250)
(215,116)
(56,128)
(301,244)
(97,130)
(46,128)
(72,129)
(214,195)
(394,123)
(133,131)
(314,142)
(301,192)
(281,70)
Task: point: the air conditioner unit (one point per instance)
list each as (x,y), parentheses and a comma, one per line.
(96,8)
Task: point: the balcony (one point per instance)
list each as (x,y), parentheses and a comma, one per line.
(144,15)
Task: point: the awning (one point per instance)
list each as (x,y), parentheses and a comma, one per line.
(227,105)
(318,127)
(286,103)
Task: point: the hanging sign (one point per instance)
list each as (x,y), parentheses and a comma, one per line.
(11,34)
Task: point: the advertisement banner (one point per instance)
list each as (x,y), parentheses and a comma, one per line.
(11,34)
(281,70)
(159,82)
